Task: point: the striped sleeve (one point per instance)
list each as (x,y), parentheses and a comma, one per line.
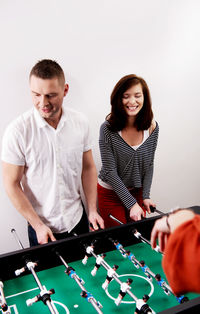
(109,170)
(148,151)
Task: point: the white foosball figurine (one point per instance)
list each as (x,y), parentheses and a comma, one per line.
(142,306)
(110,273)
(89,251)
(99,260)
(125,286)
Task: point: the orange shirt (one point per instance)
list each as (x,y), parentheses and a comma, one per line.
(181,261)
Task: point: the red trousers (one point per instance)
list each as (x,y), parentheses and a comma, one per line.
(109,203)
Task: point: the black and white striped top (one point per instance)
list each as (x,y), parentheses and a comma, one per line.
(124,167)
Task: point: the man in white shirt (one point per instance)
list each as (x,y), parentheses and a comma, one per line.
(46,156)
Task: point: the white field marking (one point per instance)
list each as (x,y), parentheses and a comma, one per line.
(15,295)
(62,305)
(14,308)
(133,275)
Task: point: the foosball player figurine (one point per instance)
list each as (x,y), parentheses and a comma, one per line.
(161,283)
(89,251)
(70,271)
(110,273)
(3,305)
(44,296)
(120,248)
(142,306)
(182,299)
(25,268)
(88,296)
(5,309)
(99,260)
(145,269)
(131,257)
(125,286)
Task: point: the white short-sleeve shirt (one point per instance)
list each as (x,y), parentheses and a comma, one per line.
(99,260)
(124,287)
(139,304)
(89,249)
(110,272)
(53,164)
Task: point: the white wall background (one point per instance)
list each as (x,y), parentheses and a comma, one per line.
(96,43)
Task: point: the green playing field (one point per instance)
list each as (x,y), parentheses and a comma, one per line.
(67,297)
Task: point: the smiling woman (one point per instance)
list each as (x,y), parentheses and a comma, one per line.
(128,140)
(133,100)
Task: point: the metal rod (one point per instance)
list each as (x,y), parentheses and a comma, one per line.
(159,212)
(154,209)
(76,278)
(149,271)
(114,218)
(51,307)
(115,276)
(62,259)
(36,278)
(92,301)
(2,299)
(140,237)
(13,231)
(3,303)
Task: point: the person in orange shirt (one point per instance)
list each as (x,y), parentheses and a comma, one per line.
(178,235)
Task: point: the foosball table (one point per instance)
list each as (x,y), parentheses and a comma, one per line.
(72,275)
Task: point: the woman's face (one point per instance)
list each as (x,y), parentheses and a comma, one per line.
(133,100)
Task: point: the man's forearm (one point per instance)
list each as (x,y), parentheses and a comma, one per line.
(89,181)
(22,204)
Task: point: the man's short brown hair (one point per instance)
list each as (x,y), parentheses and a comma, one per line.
(48,69)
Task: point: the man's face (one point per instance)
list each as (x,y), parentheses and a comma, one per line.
(47,95)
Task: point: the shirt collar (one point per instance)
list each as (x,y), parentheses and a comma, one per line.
(41,122)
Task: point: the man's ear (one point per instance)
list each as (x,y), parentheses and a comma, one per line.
(66,88)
